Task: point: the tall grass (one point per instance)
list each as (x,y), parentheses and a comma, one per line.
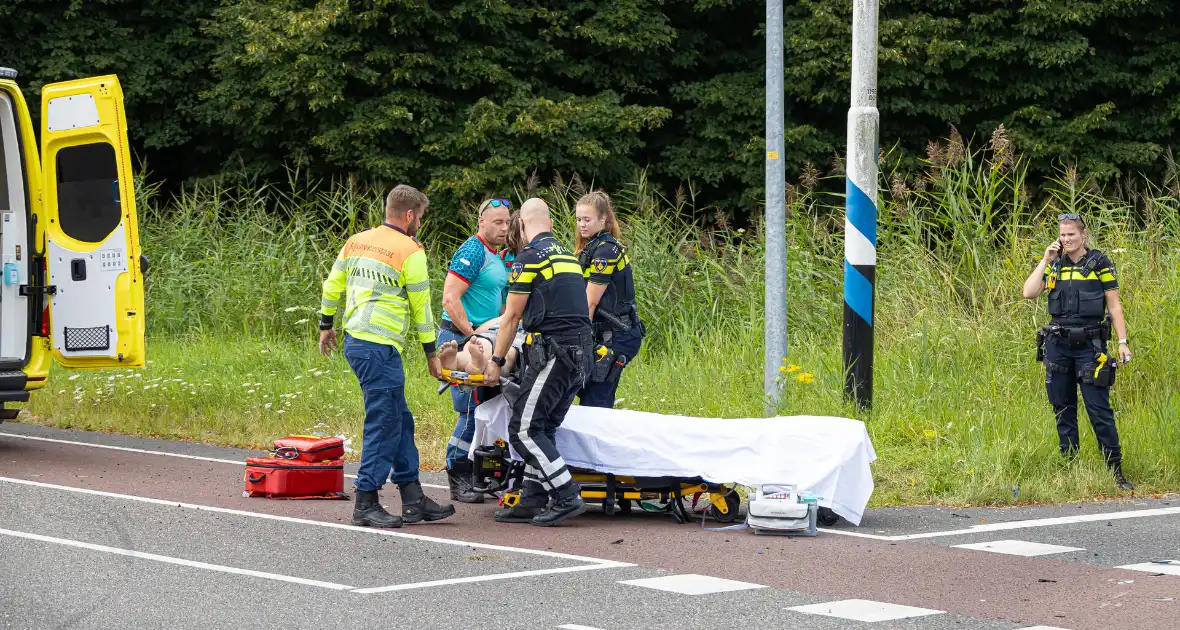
(959,414)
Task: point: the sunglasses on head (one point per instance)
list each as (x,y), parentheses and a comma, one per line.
(1071,216)
(496,203)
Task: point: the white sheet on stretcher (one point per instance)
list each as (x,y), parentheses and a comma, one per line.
(825,455)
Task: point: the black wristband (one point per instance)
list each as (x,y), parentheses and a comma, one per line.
(498,360)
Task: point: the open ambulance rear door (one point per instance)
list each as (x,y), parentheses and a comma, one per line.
(95,279)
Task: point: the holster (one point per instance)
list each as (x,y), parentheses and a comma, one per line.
(604,359)
(1042,335)
(1099,372)
(538,351)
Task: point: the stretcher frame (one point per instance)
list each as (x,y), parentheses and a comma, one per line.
(496,475)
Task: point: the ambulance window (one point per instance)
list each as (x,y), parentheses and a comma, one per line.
(6,144)
(88,191)
(4,201)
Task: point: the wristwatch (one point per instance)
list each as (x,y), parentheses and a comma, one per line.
(1124,341)
(498,360)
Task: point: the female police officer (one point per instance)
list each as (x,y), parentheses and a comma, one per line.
(610,294)
(1082,288)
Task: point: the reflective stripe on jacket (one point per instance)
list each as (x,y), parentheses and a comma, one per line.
(382,273)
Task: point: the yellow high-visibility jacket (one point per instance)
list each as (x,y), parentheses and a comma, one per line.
(383,272)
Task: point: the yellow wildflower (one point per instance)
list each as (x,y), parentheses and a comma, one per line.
(806,378)
(793,368)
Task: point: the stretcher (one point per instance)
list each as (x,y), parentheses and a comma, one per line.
(691,467)
(499,473)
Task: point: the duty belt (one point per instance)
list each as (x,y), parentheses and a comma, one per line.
(1079,334)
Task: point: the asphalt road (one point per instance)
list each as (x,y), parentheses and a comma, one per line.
(94,537)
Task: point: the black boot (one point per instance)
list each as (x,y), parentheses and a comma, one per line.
(567,503)
(459,478)
(532,501)
(369,513)
(416,506)
(1121,480)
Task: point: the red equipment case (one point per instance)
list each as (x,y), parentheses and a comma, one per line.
(278,477)
(309,448)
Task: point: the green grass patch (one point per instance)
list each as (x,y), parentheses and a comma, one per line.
(959,417)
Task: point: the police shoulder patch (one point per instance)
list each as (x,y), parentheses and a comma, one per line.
(517,269)
(598,265)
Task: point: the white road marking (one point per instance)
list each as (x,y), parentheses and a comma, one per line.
(976,529)
(1042,628)
(691,584)
(574,626)
(864,610)
(1171,568)
(1018,548)
(179,561)
(128,449)
(302,521)
(1025,524)
(481,578)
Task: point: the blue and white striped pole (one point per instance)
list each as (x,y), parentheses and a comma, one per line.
(860,223)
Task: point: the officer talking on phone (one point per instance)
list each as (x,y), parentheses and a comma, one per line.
(1083,306)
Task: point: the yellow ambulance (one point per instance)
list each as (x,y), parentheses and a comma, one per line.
(72,289)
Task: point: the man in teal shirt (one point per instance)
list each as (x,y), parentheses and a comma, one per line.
(473,294)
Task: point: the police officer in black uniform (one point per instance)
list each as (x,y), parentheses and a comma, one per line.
(610,296)
(546,293)
(1083,305)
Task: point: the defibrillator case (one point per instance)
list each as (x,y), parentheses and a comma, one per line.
(780,509)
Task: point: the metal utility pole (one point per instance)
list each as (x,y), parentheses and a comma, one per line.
(860,223)
(775,219)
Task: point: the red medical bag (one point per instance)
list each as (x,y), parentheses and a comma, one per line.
(278,477)
(309,448)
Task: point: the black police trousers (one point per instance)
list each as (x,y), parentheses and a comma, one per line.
(547,390)
(602,394)
(1063,375)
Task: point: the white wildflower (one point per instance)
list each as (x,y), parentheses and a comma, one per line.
(290,309)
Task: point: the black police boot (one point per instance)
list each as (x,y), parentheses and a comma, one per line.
(459,479)
(567,503)
(369,513)
(532,501)
(416,506)
(1122,481)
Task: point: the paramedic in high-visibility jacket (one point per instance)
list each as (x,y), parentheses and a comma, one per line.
(382,274)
